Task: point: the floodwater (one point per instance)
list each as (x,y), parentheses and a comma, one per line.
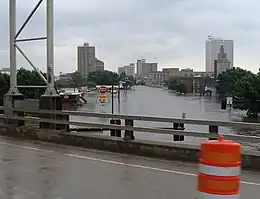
(160,102)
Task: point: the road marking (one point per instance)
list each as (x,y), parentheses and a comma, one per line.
(78,148)
(115,162)
(26,147)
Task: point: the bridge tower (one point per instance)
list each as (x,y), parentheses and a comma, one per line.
(50,99)
(13,46)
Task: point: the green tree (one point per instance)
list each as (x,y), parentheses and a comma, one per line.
(247,94)
(243,86)
(132,80)
(172,83)
(165,82)
(91,84)
(123,76)
(27,77)
(177,84)
(227,80)
(24,77)
(103,78)
(76,80)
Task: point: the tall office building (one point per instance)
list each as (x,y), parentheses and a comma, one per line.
(86,59)
(139,66)
(212,50)
(144,69)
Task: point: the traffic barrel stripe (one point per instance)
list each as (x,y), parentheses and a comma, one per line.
(219,171)
(219,185)
(223,159)
(212,196)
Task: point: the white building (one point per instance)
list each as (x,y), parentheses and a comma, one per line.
(212,50)
(86,59)
(129,70)
(144,69)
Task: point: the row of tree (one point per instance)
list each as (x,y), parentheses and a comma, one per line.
(95,78)
(243,86)
(27,77)
(24,77)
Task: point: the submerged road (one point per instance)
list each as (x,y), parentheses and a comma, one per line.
(46,171)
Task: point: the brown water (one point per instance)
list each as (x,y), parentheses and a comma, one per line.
(163,103)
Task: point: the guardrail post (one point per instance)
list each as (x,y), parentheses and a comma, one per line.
(129,135)
(114,132)
(178,126)
(10,102)
(52,103)
(213,132)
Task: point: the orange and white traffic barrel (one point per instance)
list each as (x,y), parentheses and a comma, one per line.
(219,169)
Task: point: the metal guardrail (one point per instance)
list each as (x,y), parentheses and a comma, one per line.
(145,118)
(241,138)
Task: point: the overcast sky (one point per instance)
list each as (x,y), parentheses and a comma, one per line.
(170,32)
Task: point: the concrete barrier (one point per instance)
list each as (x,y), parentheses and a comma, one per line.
(162,150)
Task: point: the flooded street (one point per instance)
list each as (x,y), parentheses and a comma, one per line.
(149,101)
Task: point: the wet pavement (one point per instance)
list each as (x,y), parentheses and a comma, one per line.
(46,171)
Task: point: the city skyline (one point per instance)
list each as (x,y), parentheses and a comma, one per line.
(169,31)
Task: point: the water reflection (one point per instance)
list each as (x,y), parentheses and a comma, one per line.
(163,103)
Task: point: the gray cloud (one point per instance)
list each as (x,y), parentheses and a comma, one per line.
(172,31)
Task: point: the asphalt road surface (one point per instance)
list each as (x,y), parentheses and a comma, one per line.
(46,171)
